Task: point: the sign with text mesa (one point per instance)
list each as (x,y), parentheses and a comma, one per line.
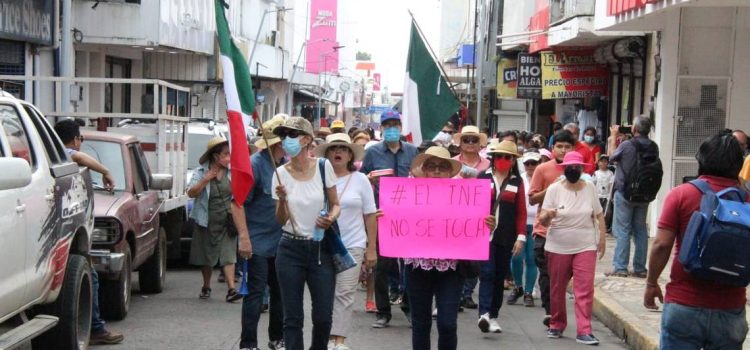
(434,218)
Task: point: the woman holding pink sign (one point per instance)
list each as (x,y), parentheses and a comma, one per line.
(508,239)
(435,278)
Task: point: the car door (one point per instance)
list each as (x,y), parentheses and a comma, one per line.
(148,204)
(12,216)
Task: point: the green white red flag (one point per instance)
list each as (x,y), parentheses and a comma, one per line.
(428,101)
(240,106)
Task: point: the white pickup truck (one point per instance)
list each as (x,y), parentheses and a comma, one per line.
(46,222)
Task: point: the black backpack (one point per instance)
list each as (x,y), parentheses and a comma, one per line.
(644,180)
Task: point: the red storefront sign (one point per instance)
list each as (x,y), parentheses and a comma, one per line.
(616,7)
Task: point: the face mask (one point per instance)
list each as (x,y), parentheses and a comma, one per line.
(502,164)
(291,146)
(572,174)
(391,134)
(588,138)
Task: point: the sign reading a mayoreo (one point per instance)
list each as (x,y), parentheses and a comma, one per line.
(529,76)
(572,74)
(27,20)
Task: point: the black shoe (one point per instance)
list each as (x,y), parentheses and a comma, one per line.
(469,303)
(395,298)
(264,308)
(546,319)
(381,322)
(205,293)
(514,295)
(233,295)
(528,300)
(277,345)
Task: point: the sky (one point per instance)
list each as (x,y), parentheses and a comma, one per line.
(382,28)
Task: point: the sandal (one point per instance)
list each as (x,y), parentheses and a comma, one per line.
(205,293)
(639,274)
(616,274)
(233,296)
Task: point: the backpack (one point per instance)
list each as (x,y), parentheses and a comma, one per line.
(644,180)
(717,239)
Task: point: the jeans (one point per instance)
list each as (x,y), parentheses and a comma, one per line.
(492,278)
(541,263)
(629,217)
(686,328)
(261,272)
(97,324)
(517,265)
(384,267)
(469,285)
(580,267)
(299,262)
(446,288)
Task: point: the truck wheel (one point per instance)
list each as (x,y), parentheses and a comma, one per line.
(73,307)
(153,273)
(114,296)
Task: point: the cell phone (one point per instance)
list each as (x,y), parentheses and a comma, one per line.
(625,130)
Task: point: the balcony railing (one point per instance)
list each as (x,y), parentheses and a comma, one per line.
(563,10)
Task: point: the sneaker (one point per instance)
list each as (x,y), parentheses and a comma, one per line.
(554,333)
(469,303)
(434,314)
(494,327)
(514,295)
(528,300)
(277,344)
(105,338)
(484,323)
(395,298)
(341,346)
(588,339)
(253,348)
(233,295)
(381,322)
(205,293)
(616,273)
(546,319)
(370,307)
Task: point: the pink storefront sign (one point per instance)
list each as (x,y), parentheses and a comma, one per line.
(320,53)
(434,218)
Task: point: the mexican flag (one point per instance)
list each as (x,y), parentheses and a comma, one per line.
(428,101)
(240,106)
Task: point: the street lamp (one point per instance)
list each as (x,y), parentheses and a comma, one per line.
(263,19)
(320,94)
(290,93)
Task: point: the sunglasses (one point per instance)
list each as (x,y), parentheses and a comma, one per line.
(531,163)
(503,156)
(338,148)
(289,133)
(448,131)
(437,167)
(470,140)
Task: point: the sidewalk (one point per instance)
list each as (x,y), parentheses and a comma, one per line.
(618,303)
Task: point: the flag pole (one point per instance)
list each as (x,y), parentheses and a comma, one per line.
(432,53)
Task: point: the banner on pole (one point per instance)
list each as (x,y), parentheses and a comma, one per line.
(434,218)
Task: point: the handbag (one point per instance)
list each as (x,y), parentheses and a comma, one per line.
(342,259)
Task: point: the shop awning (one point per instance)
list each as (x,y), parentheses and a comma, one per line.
(315,96)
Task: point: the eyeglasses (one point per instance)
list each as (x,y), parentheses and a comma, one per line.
(436,167)
(448,131)
(289,133)
(503,156)
(470,140)
(531,163)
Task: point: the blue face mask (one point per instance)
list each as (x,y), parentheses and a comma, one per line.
(391,134)
(588,138)
(291,146)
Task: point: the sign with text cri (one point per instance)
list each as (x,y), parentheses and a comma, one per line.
(434,218)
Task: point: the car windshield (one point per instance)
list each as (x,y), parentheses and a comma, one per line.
(110,155)
(196,146)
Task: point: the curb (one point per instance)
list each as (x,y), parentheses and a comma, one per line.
(623,323)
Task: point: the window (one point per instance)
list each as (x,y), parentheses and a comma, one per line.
(108,154)
(49,147)
(15,132)
(142,178)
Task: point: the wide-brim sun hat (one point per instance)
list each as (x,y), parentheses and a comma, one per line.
(470,130)
(531,156)
(504,147)
(294,123)
(217,141)
(436,152)
(340,139)
(574,158)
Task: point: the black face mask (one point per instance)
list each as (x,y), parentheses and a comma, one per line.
(572,174)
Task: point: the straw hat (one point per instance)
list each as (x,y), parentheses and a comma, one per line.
(437,152)
(323,132)
(338,124)
(269,127)
(361,135)
(575,158)
(217,141)
(340,139)
(470,130)
(506,147)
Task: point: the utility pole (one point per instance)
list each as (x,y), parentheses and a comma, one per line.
(479,59)
(66,53)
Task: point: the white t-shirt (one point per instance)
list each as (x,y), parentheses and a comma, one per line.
(572,230)
(356,201)
(530,209)
(305,198)
(603,181)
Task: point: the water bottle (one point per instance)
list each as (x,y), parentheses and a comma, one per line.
(319,232)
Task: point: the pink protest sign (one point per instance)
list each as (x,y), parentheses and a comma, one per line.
(434,218)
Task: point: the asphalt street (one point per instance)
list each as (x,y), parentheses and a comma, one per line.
(177,319)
